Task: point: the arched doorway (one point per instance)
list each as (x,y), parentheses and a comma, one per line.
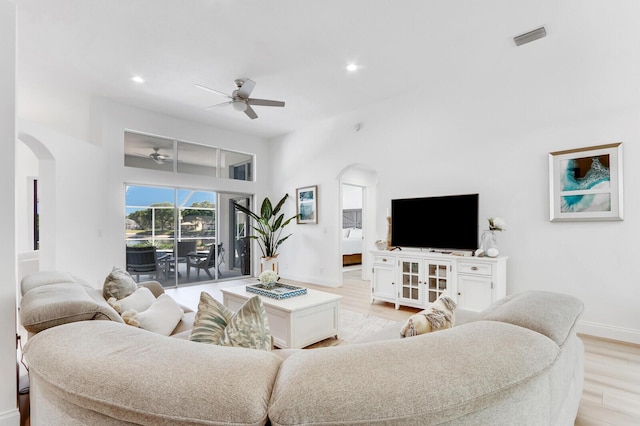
(37,164)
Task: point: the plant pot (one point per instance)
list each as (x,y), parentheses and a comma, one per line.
(269,264)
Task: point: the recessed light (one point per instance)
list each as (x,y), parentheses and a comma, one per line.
(352,67)
(137,79)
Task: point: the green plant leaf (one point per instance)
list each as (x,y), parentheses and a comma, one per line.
(280,204)
(266,210)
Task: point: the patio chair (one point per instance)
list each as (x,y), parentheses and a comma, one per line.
(206,261)
(185,248)
(145,261)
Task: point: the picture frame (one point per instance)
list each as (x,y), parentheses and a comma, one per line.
(307,204)
(585,184)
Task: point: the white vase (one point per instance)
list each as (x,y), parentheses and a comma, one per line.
(489,241)
(269,264)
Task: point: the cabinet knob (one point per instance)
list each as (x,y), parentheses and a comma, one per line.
(384,260)
(459,294)
(474,268)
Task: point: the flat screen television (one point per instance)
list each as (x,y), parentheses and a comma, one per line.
(438,223)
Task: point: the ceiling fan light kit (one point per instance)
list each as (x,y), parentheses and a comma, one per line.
(239,105)
(240,100)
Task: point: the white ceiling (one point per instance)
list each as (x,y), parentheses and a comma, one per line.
(430,52)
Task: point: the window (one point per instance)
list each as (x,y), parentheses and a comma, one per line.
(169,155)
(194,239)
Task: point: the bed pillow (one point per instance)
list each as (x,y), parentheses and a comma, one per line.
(161,317)
(118,284)
(355,233)
(140,300)
(345,232)
(216,324)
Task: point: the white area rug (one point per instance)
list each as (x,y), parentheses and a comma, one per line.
(355,327)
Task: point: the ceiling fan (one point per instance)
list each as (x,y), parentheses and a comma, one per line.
(240,99)
(157,157)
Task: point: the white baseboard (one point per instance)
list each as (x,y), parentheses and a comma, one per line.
(622,334)
(10,418)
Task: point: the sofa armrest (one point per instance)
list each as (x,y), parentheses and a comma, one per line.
(56,304)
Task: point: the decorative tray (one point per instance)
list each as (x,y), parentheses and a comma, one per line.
(279,291)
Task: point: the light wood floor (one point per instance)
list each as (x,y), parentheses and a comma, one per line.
(611,394)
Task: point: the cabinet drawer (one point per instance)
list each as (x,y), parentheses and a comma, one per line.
(383,260)
(474,268)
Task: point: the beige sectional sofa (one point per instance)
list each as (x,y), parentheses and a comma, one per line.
(518,363)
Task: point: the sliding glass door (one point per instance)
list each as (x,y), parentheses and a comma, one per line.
(192,238)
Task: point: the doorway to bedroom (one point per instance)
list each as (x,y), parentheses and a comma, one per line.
(352,230)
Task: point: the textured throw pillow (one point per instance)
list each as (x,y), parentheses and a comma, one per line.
(118,284)
(161,317)
(438,316)
(216,324)
(138,301)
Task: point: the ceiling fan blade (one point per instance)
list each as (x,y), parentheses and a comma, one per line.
(211,90)
(246,88)
(210,107)
(265,102)
(251,113)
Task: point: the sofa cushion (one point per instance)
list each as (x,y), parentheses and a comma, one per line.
(55,304)
(144,378)
(38,279)
(216,324)
(161,317)
(427,379)
(551,314)
(118,284)
(140,300)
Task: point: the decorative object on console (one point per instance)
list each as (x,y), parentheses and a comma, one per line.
(269,226)
(438,316)
(307,204)
(586,183)
(489,242)
(381,245)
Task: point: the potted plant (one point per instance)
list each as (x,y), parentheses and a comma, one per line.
(269,226)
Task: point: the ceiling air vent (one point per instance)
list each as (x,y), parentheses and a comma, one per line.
(530,36)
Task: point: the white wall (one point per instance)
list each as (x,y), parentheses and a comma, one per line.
(8,403)
(86,210)
(462,149)
(351,197)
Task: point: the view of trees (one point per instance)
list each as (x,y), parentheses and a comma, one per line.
(198,215)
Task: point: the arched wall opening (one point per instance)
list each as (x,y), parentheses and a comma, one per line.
(35,162)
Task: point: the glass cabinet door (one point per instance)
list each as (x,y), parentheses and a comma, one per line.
(438,279)
(410,280)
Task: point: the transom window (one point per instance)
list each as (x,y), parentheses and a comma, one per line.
(171,155)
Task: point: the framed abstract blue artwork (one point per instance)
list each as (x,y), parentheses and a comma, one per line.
(586,183)
(307,204)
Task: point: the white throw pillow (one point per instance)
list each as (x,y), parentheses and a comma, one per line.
(345,232)
(161,317)
(138,301)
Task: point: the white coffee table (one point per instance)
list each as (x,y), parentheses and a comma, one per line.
(295,322)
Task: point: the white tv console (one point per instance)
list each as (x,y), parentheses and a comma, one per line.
(416,278)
